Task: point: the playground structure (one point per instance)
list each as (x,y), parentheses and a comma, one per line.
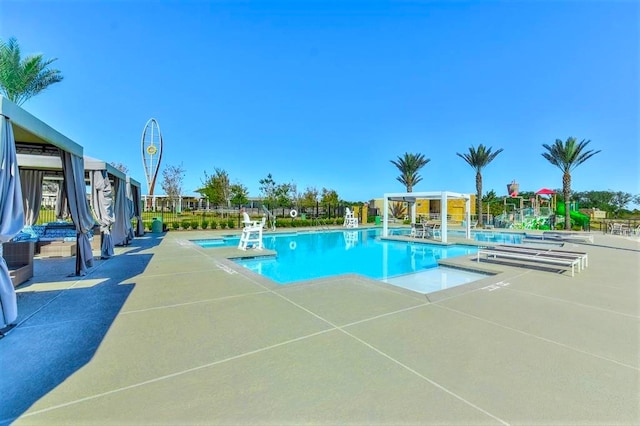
(540,212)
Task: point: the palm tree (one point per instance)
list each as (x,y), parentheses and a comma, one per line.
(567,156)
(409,165)
(21,79)
(478,159)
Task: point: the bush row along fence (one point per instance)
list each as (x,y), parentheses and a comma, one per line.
(231,218)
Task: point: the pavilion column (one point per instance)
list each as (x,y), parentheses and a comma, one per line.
(467,217)
(385,222)
(413,212)
(443,217)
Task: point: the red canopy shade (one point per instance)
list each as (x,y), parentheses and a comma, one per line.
(545,191)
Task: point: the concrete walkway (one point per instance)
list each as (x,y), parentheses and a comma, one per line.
(167,332)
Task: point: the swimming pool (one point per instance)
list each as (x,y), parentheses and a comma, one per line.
(313,255)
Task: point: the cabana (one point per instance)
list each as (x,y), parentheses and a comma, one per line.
(29,135)
(411,197)
(102,178)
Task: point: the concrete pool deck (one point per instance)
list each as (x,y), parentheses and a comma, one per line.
(169,332)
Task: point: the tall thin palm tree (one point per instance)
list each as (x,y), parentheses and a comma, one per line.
(567,156)
(409,165)
(478,159)
(21,79)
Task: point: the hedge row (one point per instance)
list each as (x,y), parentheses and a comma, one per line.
(233,223)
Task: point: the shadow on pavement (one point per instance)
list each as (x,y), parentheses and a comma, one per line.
(61,323)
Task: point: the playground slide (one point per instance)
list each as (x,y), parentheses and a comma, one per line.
(577,218)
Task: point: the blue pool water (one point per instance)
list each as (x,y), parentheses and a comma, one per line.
(488,236)
(313,255)
(493,237)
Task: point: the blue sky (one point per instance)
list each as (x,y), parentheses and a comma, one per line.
(324,94)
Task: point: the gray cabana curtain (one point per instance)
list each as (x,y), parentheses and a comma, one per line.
(62,208)
(102,205)
(137,210)
(73,169)
(31,182)
(130,211)
(120,229)
(11,217)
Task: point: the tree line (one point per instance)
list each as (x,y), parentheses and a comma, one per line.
(219,191)
(566,155)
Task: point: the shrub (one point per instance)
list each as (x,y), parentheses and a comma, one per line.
(194,225)
(175,225)
(186,224)
(294,223)
(214,224)
(223,224)
(230,223)
(205,224)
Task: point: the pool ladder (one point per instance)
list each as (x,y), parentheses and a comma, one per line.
(316,223)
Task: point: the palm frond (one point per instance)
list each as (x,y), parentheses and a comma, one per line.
(409,165)
(21,79)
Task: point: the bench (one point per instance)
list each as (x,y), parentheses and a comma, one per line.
(557,258)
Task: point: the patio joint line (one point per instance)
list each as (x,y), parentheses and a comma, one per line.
(176,305)
(193,271)
(60,292)
(425,378)
(172,375)
(544,339)
(582,305)
(410,308)
(397,362)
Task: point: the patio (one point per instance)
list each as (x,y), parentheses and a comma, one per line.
(168,332)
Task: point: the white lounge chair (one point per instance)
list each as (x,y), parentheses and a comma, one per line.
(525,256)
(473,224)
(417,230)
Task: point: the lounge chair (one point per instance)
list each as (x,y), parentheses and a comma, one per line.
(540,257)
(417,230)
(473,224)
(619,229)
(434,231)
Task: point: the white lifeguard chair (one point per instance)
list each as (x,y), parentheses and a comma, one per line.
(349,220)
(251,233)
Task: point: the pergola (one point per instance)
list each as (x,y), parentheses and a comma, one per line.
(411,197)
